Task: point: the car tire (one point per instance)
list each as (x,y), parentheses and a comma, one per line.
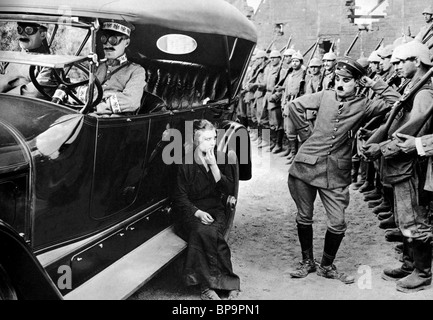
(7,291)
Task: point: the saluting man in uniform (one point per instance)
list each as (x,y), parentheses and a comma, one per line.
(123,82)
(15,78)
(324,161)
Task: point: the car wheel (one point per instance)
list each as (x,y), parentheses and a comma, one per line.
(7,291)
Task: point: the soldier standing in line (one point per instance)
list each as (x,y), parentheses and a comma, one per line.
(256,87)
(405,172)
(328,75)
(425,35)
(313,79)
(294,87)
(272,102)
(248,98)
(323,163)
(286,70)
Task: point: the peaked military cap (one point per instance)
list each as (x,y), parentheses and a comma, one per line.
(349,67)
(123,27)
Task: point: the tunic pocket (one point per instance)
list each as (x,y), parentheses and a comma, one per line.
(305,158)
(344,164)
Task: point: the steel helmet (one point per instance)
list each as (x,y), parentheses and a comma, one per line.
(413,49)
(275,54)
(289,52)
(386,51)
(298,55)
(315,62)
(260,54)
(374,57)
(428,10)
(329,56)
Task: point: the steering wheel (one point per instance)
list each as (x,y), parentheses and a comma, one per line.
(47,90)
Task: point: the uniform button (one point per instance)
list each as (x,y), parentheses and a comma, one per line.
(333,137)
(339,112)
(108,71)
(424,145)
(338,120)
(335,129)
(331,146)
(329,153)
(306,129)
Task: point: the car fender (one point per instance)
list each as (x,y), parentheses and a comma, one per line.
(234,136)
(26,274)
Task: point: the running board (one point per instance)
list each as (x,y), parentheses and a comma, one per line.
(121,279)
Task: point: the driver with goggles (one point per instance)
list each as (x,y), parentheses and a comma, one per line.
(14,78)
(123,82)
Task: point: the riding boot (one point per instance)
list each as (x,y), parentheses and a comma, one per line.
(421,276)
(259,134)
(362,173)
(265,138)
(307,265)
(293,143)
(370,177)
(407,266)
(355,170)
(279,142)
(272,140)
(327,268)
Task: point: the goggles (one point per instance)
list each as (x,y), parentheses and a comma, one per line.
(113,40)
(28,30)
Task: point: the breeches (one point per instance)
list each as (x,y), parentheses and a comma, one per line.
(335,202)
(262,112)
(276,119)
(411,205)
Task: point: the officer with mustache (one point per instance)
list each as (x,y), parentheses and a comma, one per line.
(123,81)
(15,78)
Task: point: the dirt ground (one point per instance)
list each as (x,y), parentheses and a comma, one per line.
(265,248)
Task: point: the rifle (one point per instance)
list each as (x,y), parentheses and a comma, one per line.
(378,120)
(427,38)
(382,134)
(346,53)
(268,49)
(287,45)
(379,44)
(314,51)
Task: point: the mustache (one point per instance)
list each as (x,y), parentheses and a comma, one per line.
(24,39)
(340,88)
(109,49)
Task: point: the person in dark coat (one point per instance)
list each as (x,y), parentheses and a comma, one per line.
(197,199)
(324,161)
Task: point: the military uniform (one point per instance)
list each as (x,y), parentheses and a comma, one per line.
(426,31)
(15,78)
(405,172)
(324,161)
(122,91)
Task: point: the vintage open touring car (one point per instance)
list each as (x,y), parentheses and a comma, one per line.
(84,200)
